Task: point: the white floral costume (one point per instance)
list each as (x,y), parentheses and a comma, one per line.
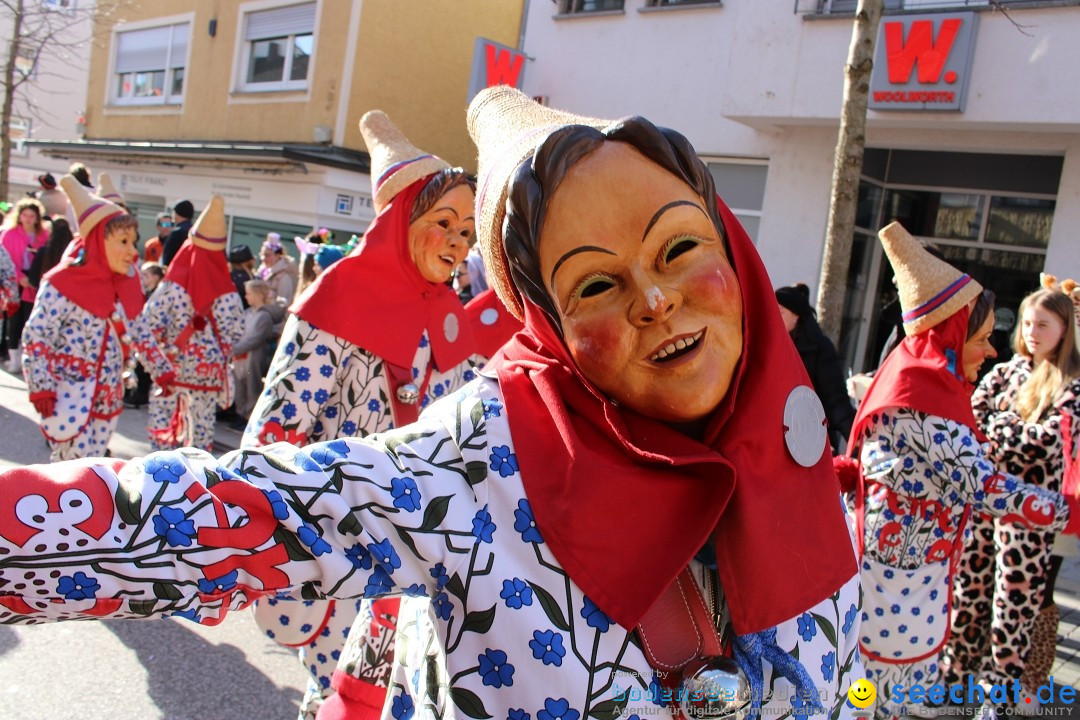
(437,510)
(322,387)
(924,476)
(80,357)
(201,366)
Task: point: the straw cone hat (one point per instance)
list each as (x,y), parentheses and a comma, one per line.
(395,162)
(930,289)
(89,208)
(507,126)
(209,231)
(107,190)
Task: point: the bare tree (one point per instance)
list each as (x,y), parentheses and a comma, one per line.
(37,28)
(847,166)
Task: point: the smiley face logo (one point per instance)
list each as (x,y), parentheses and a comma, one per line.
(862,693)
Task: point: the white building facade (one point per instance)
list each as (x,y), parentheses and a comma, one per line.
(990,175)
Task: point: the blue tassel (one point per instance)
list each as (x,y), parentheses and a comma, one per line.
(753,648)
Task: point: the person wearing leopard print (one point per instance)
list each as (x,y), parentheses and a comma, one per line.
(1004,578)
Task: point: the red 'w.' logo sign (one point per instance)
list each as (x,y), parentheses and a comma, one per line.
(921,49)
(503,66)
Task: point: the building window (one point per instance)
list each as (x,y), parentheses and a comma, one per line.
(672,3)
(574,7)
(741,185)
(149,65)
(842,7)
(278,44)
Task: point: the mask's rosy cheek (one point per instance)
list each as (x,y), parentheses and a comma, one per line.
(595,344)
(714,284)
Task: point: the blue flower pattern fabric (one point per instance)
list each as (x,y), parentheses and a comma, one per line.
(507,633)
(65,346)
(321,387)
(925,475)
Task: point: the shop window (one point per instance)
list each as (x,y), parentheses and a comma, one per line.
(929,213)
(149,63)
(277,47)
(1020,221)
(578,7)
(252,232)
(741,185)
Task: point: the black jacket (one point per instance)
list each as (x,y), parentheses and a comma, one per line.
(823,366)
(172,243)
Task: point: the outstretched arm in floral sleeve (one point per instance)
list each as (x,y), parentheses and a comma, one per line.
(963,473)
(180,533)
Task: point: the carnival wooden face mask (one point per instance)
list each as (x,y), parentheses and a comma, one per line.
(120,250)
(650,308)
(439,239)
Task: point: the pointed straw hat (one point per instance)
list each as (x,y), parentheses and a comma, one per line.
(107,190)
(89,208)
(507,126)
(209,231)
(930,289)
(395,162)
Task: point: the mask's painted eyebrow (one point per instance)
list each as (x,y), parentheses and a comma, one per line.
(661,211)
(467,217)
(575,251)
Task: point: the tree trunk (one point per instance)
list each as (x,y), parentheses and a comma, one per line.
(9,96)
(847,166)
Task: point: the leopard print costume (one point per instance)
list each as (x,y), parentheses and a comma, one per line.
(1002,574)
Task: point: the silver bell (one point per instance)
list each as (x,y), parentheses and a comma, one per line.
(408,394)
(715,689)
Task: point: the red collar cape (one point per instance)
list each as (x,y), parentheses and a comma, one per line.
(625,501)
(492,324)
(203,273)
(376,299)
(83,276)
(925,372)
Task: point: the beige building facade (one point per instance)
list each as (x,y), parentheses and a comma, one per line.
(259,100)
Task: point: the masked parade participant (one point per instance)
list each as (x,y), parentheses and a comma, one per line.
(922,472)
(195,316)
(77,344)
(594,520)
(406,340)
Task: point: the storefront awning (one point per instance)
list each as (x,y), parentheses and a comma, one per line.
(260,158)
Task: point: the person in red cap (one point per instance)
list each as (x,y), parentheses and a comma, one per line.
(195,316)
(634,499)
(76,344)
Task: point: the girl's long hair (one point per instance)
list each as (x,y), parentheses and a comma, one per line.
(1048,379)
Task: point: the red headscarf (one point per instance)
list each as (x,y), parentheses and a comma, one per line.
(83,276)
(925,372)
(625,501)
(377,299)
(203,273)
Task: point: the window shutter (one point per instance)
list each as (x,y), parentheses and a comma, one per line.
(141,50)
(281,22)
(181,33)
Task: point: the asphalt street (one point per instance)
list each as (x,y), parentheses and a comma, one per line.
(135,669)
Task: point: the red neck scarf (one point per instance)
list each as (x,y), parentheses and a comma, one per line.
(203,273)
(625,501)
(84,277)
(376,298)
(925,372)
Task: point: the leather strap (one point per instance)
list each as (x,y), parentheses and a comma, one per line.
(678,629)
(404,413)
